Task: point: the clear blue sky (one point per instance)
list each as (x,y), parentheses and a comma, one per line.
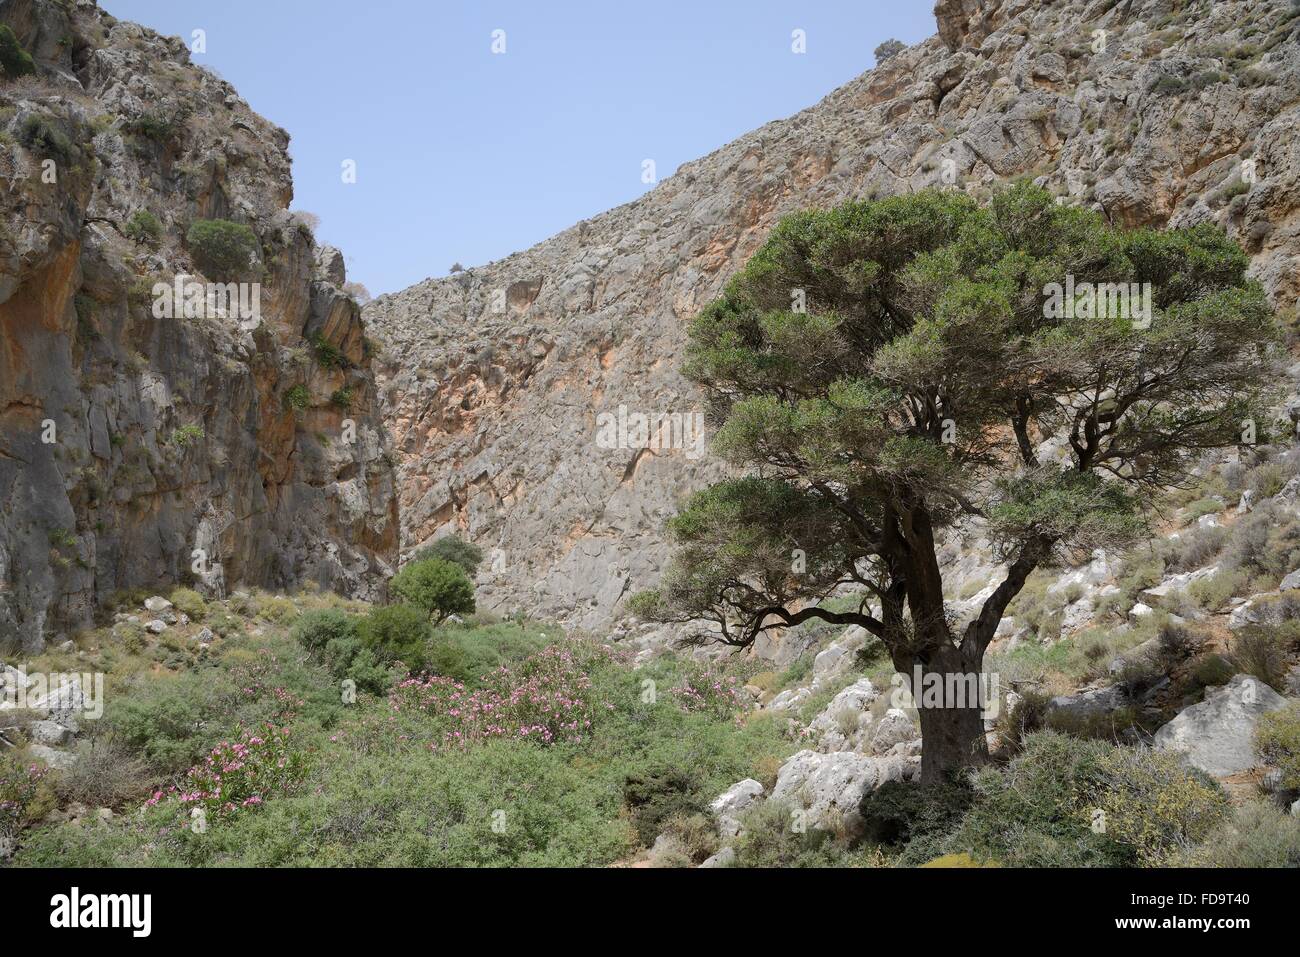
(463,155)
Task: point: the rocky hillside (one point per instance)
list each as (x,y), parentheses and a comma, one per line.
(137,450)
(1153,111)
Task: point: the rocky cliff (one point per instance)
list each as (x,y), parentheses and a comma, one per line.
(494,380)
(139,448)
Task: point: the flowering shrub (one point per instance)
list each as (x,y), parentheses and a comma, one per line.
(706,689)
(548,698)
(22,795)
(239,774)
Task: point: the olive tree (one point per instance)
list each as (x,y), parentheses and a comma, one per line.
(883,372)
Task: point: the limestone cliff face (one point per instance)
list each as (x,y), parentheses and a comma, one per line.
(1153,111)
(132,445)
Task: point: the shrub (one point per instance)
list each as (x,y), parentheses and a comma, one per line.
(888,49)
(297,398)
(328,355)
(453,548)
(769,839)
(41,135)
(224,250)
(902,815)
(1071,802)
(315,629)
(276,609)
(1258,651)
(1257,835)
(105,775)
(13,58)
(25,794)
(437,587)
(143,227)
(342,398)
(396,633)
(239,775)
(187,435)
(190,602)
(151,127)
(1278,738)
(704,688)
(654,796)
(348,659)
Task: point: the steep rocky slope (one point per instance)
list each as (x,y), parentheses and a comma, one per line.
(138,451)
(1153,111)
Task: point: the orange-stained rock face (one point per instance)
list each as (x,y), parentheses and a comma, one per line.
(132,444)
(493,396)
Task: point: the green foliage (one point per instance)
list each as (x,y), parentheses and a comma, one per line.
(1258,835)
(14,59)
(397,633)
(43,135)
(342,398)
(881,371)
(1278,738)
(190,602)
(297,398)
(317,628)
(328,355)
(151,127)
(1086,803)
(187,435)
(143,227)
(654,795)
(453,548)
(225,251)
(438,587)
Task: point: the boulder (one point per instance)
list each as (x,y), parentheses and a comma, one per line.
(724,858)
(1291,582)
(731,803)
(894,728)
(843,722)
(59,760)
(49,733)
(1217,735)
(157,605)
(828,788)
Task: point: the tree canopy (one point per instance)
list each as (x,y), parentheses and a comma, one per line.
(437,587)
(885,370)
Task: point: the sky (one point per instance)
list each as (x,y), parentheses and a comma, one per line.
(463,154)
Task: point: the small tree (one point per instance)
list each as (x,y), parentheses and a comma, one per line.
(453,548)
(396,633)
(437,587)
(890,47)
(224,250)
(888,370)
(14,60)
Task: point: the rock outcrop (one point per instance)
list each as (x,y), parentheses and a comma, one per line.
(141,451)
(497,380)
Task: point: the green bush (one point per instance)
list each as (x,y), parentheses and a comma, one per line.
(224,250)
(1257,835)
(1260,651)
(654,795)
(190,602)
(41,134)
(437,587)
(13,58)
(1278,738)
(397,633)
(348,659)
(1067,802)
(297,398)
(901,815)
(453,548)
(143,227)
(770,839)
(342,398)
(315,629)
